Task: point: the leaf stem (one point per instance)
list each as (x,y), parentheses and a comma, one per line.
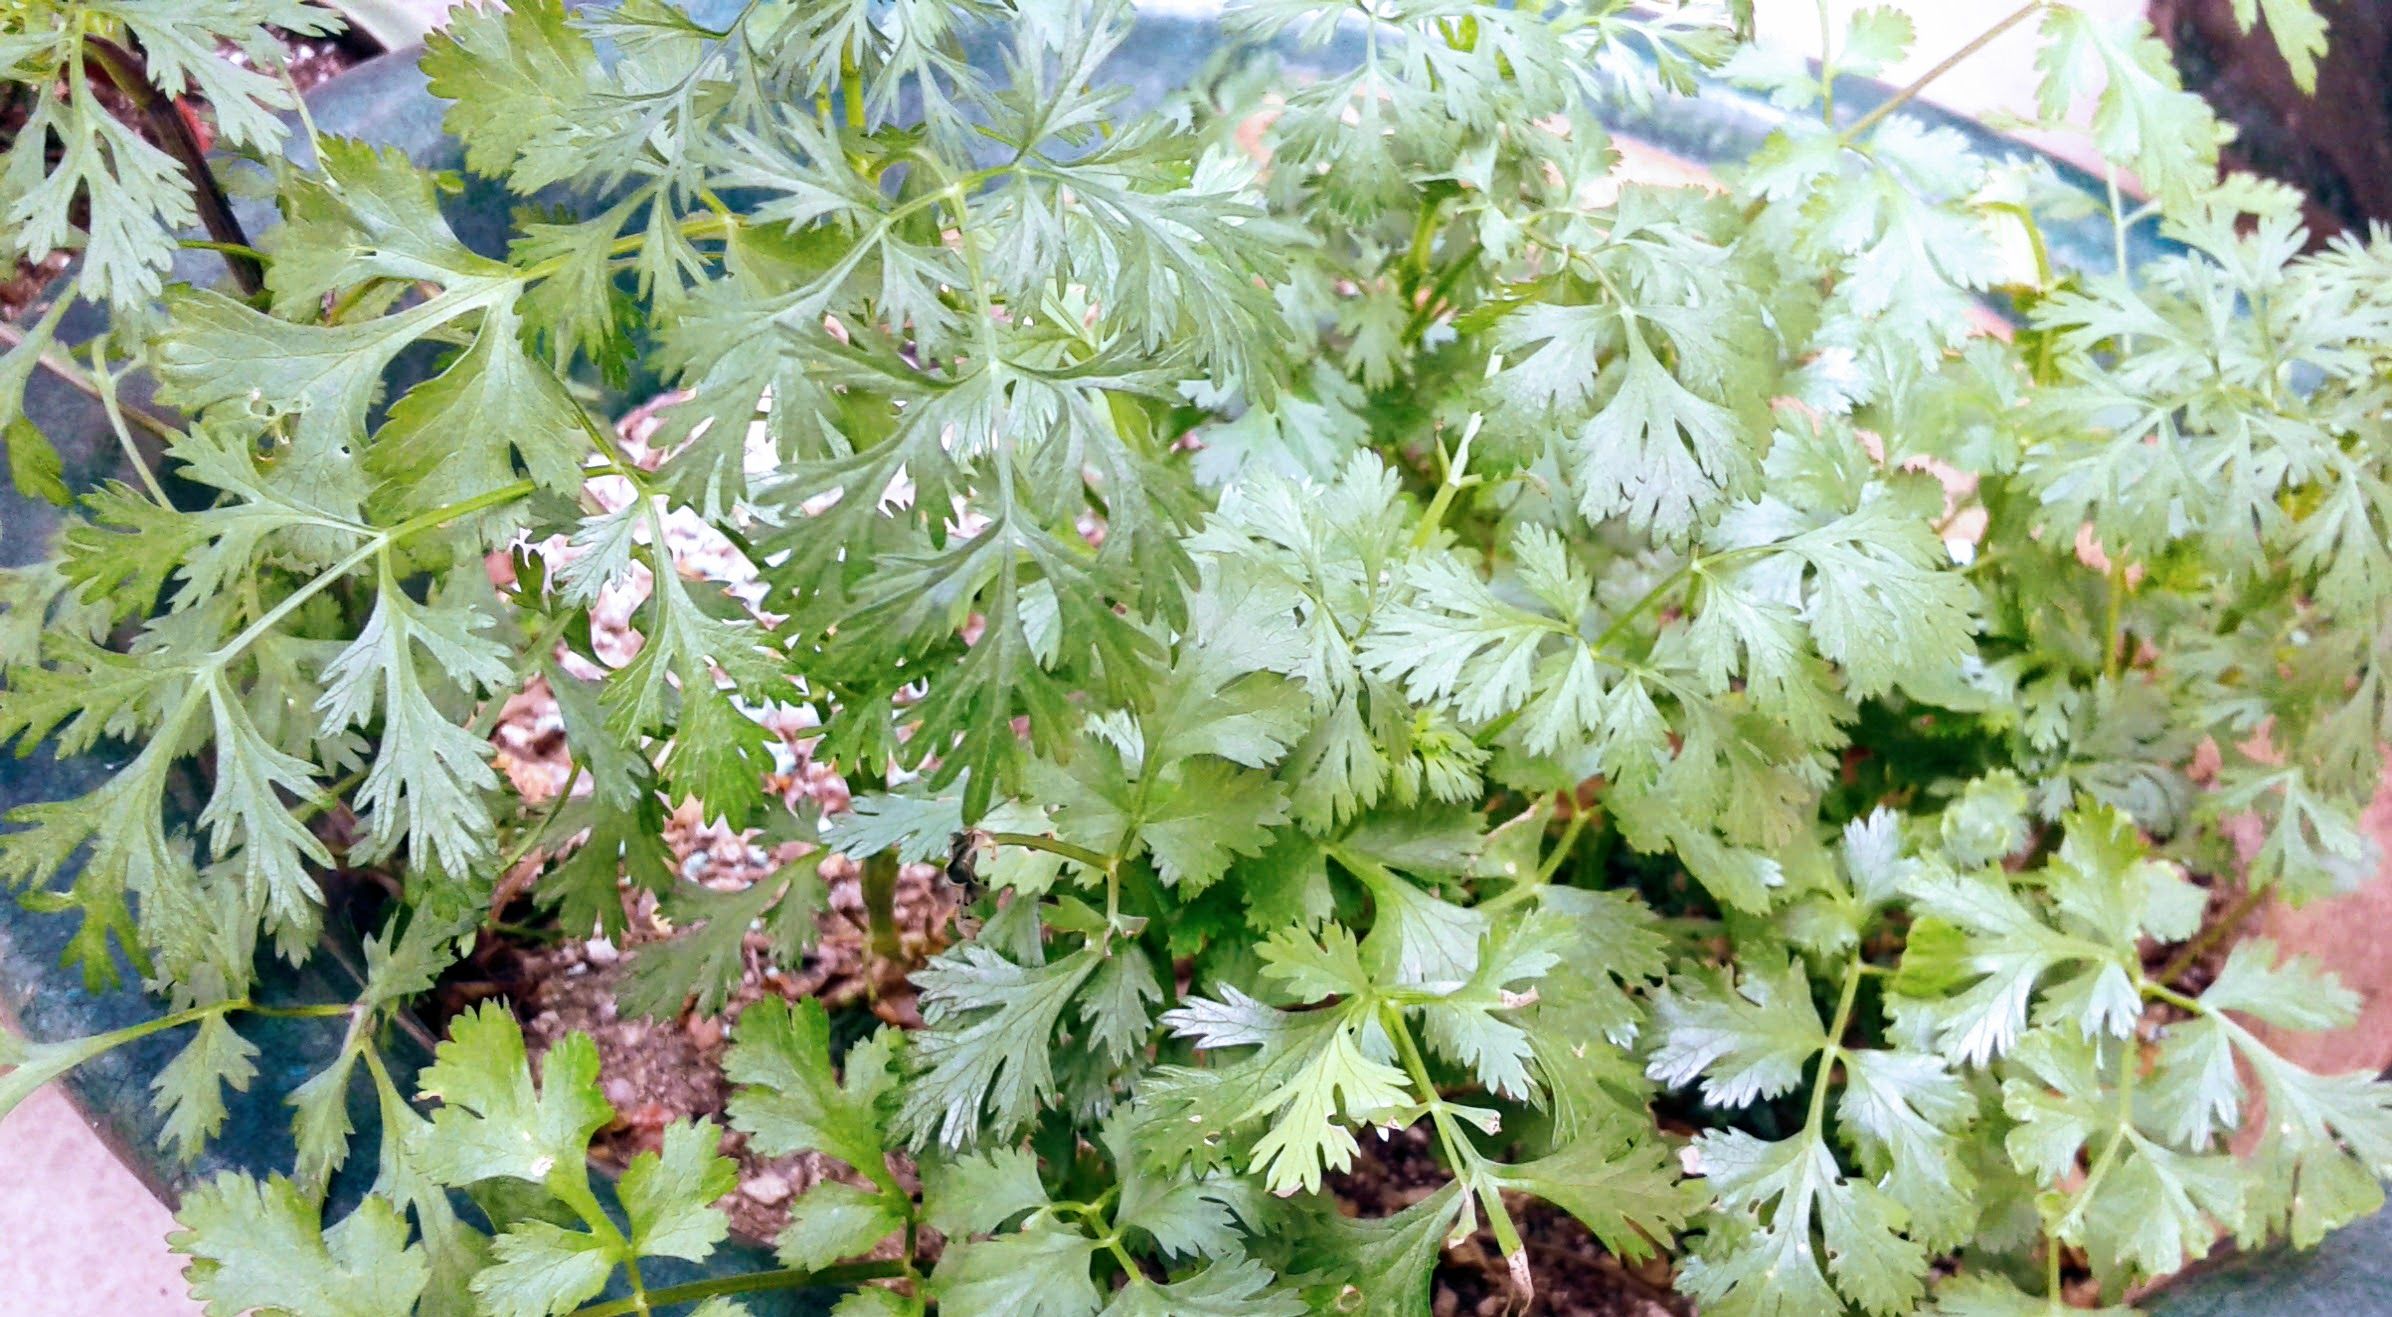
(531,838)
(114,407)
(1459,1150)
(240,249)
(1910,91)
(172,131)
(311,1011)
(1080,855)
(2224,926)
(1815,1122)
(80,380)
(1425,314)
(2113,629)
(2122,1130)
(424,521)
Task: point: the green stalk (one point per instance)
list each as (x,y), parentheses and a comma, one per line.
(1460,1152)
(1080,855)
(1815,1123)
(879,881)
(80,380)
(415,525)
(1910,92)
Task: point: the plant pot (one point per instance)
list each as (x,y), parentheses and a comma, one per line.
(386,102)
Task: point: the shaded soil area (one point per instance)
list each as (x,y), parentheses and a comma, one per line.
(1575,1277)
(2335,145)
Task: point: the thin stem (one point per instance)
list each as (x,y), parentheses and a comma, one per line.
(2163,993)
(752,1282)
(1456,480)
(110,404)
(76,378)
(1459,1150)
(173,132)
(1827,65)
(1522,890)
(1561,849)
(1425,314)
(1619,624)
(225,653)
(314,1011)
(524,845)
(1080,855)
(2122,1131)
(227,248)
(2113,629)
(1949,62)
(1816,1121)
(2221,928)
(879,884)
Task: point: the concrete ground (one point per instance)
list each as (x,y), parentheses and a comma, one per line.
(83,1236)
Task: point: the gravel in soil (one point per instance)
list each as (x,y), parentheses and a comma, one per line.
(658,1071)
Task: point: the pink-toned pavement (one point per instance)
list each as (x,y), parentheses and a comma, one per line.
(79,1236)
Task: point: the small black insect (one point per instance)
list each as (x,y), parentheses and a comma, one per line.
(963,856)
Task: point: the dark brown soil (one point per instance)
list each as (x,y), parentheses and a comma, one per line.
(2335,145)
(1575,1276)
(659,1071)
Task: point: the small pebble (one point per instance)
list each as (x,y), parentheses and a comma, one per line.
(768,1188)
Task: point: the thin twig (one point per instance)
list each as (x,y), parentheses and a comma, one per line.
(130,74)
(81,382)
(2218,930)
(1919,84)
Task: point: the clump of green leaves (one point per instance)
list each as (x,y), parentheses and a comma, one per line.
(1400,626)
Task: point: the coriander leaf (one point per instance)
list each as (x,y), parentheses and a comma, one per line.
(189,1090)
(260,1246)
(702,964)
(1746,1037)
(1625,1190)
(1782,1207)
(539,1268)
(430,781)
(832,1221)
(493,1121)
(1381,1264)
(1311,1071)
(1041,1271)
(1223,1289)
(978,1193)
(791,1099)
(669,1194)
(987,1044)
(2299,30)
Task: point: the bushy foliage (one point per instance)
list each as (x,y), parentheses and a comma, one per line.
(1396,624)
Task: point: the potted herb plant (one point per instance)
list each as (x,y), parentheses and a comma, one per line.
(1381,626)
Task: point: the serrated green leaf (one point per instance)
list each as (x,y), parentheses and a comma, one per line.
(832,1221)
(260,1246)
(669,1194)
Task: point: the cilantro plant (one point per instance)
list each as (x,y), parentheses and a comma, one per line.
(1393,625)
